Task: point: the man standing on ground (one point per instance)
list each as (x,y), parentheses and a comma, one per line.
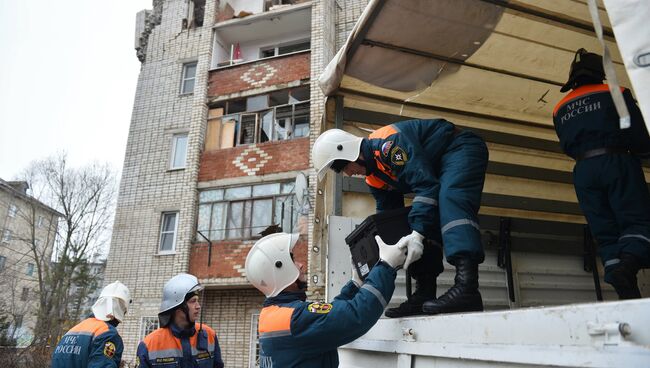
(95,342)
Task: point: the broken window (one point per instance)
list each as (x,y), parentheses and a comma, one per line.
(244,212)
(195,14)
(276,116)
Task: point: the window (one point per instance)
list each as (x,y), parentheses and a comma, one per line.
(19,321)
(38,243)
(244,212)
(30,269)
(168,232)
(196,12)
(13,210)
(147,326)
(179,151)
(270,51)
(254,345)
(3,261)
(25,294)
(6,236)
(41,221)
(189,75)
(276,116)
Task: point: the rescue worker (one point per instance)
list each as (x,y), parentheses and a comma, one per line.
(445,168)
(297,333)
(607,176)
(180,341)
(95,342)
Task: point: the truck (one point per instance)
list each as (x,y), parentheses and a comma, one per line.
(494,67)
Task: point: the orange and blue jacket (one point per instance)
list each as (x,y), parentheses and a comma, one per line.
(405,157)
(297,333)
(172,346)
(90,344)
(586,119)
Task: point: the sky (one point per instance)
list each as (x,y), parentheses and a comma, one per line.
(68,73)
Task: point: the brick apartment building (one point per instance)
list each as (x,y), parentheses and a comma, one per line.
(25,224)
(224,116)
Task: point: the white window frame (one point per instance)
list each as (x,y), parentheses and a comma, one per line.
(185,78)
(172,159)
(276,48)
(40,222)
(13,210)
(248,231)
(254,342)
(6,236)
(145,322)
(175,232)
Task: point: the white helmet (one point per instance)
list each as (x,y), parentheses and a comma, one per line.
(269,266)
(334,144)
(112,303)
(174,293)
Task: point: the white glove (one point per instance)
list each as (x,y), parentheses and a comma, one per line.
(393,255)
(355,276)
(413,242)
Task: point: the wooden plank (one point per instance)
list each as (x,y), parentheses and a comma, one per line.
(567,9)
(508,192)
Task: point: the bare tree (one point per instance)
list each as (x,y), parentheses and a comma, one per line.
(86,199)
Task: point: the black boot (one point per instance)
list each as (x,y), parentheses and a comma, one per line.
(623,277)
(463,296)
(425,289)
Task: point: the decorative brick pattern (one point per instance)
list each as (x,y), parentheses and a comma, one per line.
(260,159)
(251,160)
(263,73)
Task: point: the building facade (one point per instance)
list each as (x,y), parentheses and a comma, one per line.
(26,226)
(225,112)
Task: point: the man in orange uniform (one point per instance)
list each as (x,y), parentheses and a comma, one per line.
(95,343)
(608,178)
(180,341)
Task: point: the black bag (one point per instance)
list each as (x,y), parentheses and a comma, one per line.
(390,225)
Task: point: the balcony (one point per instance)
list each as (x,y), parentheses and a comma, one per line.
(282,30)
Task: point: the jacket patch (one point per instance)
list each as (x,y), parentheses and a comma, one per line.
(109,349)
(398,156)
(165,360)
(385,148)
(320,308)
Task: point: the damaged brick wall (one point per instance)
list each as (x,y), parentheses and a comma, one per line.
(152,19)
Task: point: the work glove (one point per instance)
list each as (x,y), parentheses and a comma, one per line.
(355,276)
(413,243)
(392,255)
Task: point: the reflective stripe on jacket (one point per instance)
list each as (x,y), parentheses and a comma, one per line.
(172,347)
(90,344)
(406,156)
(296,333)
